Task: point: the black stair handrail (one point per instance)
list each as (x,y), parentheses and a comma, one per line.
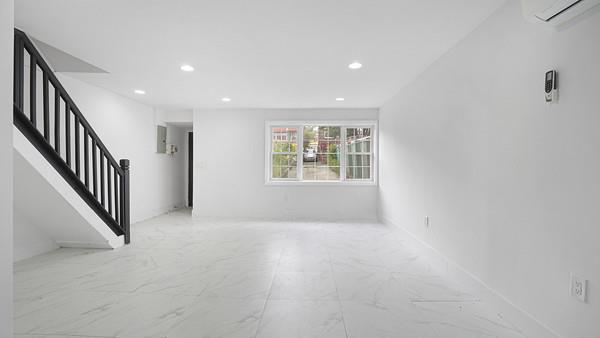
(114,176)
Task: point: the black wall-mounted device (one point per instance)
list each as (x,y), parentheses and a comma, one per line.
(551,86)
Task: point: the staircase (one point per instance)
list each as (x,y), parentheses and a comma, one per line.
(49,120)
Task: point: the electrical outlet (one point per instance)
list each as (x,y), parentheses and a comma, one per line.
(578,287)
(427,221)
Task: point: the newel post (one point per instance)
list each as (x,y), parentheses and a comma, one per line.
(125,200)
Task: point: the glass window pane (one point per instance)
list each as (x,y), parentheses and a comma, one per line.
(366,145)
(333,173)
(309,173)
(284,158)
(279,160)
(350,174)
(358,156)
(284,139)
(366,173)
(292,172)
(321,153)
(281,147)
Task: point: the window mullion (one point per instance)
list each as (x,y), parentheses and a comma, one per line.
(299,151)
(370,152)
(343,154)
(271,153)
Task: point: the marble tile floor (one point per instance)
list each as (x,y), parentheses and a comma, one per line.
(182,277)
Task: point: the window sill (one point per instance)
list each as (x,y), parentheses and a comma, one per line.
(370,183)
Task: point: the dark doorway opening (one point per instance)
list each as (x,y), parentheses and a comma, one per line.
(190,169)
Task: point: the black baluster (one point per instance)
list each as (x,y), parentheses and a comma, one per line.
(46,108)
(68,133)
(125,200)
(32,89)
(117,204)
(86,157)
(102,197)
(94,168)
(16,65)
(18,73)
(109,186)
(77,147)
(56,120)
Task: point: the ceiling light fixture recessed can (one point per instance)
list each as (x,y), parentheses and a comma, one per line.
(355,65)
(140,92)
(226,99)
(339,99)
(186,68)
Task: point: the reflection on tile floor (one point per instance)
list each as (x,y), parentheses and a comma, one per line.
(190,278)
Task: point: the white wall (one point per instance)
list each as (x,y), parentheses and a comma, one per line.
(128,129)
(177,135)
(229,170)
(6,94)
(30,240)
(510,183)
(176,117)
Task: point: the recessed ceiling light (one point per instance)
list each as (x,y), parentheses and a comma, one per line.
(339,99)
(355,65)
(140,92)
(226,99)
(187,68)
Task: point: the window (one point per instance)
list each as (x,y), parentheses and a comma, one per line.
(284,153)
(358,153)
(321,152)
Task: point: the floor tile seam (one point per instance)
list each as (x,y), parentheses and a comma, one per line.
(444,301)
(262,314)
(337,293)
(137,292)
(61,335)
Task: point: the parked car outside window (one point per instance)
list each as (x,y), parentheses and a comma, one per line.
(310,155)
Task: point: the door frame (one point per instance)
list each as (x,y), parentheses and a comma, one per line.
(190,169)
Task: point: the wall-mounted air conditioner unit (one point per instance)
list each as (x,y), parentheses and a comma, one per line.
(556,12)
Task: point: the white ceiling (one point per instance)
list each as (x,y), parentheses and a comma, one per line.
(261,53)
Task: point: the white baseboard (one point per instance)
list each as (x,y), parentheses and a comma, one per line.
(291,218)
(531,327)
(113,244)
(148,214)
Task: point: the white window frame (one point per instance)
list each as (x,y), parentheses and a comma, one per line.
(299,125)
